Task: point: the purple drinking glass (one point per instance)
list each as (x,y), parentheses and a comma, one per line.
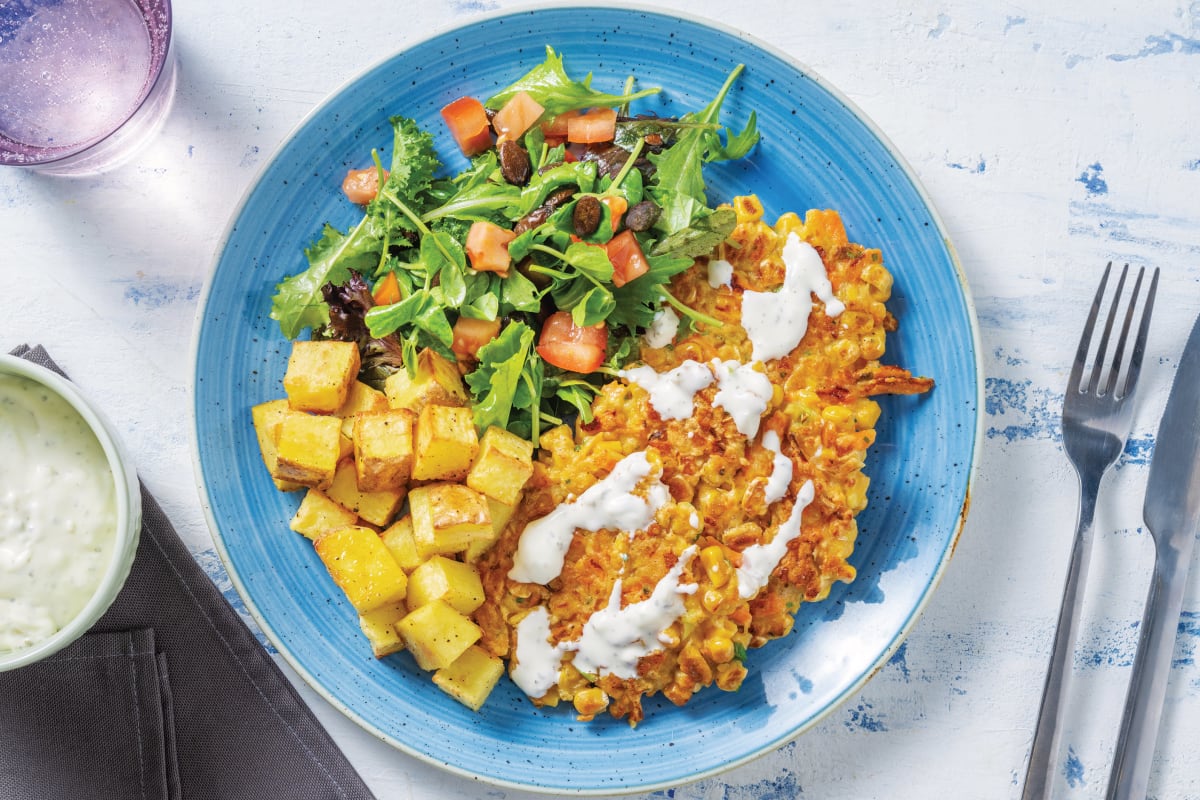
(83,83)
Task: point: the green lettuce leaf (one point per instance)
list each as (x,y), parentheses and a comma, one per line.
(549,85)
(494,383)
(298,302)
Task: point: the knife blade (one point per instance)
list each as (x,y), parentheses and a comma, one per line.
(1172,515)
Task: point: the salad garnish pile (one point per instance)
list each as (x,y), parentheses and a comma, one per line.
(538,267)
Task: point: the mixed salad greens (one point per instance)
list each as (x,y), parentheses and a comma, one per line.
(538,267)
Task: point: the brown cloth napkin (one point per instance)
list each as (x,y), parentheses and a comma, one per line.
(103,718)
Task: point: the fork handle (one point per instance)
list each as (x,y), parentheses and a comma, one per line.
(1047,736)
(1148,685)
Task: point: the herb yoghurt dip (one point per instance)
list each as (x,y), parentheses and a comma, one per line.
(58,513)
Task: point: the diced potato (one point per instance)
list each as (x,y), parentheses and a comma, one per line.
(436,634)
(319,375)
(345,446)
(400,542)
(447,517)
(437,381)
(502,466)
(500,514)
(361,399)
(308,447)
(318,514)
(379,626)
(377,508)
(445,443)
(267,418)
(471,678)
(442,578)
(361,565)
(383,449)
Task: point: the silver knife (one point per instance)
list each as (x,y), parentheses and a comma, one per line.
(1172,514)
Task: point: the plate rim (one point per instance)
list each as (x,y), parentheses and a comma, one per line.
(927,593)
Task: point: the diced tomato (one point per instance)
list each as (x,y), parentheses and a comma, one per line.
(617,206)
(361,185)
(556,127)
(471,334)
(387,291)
(487,247)
(569,156)
(595,126)
(568,346)
(517,116)
(468,122)
(627,258)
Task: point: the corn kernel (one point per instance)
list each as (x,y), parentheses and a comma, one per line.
(845,351)
(748,208)
(718,648)
(878,277)
(712,600)
(591,701)
(866,413)
(789,222)
(856,496)
(838,415)
(871,345)
(716,566)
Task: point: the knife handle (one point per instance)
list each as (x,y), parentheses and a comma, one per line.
(1148,685)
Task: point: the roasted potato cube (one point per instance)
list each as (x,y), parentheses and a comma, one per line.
(379,626)
(377,508)
(436,634)
(400,542)
(445,443)
(502,466)
(383,449)
(361,565)
(500,514)
(471,678)
(317,514)
(442,578)
(437,382)
(447,517)
(267,417)
(361,399)
(319,375)
(308,447)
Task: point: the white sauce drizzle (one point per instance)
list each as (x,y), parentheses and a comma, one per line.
(607,505)
(662,328)
(672,393)
(537,660)
(58,513)
(615,638)
(777,321)
(781,469)
(760,560)
(744,394)
(720,273)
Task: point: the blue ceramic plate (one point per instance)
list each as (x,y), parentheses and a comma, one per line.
(816,151)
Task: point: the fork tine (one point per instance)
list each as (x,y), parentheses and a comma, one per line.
(1101,351)
(1085,341)
(1114,371)
(1139,345)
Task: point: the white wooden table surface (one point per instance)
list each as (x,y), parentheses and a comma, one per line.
(1051,141)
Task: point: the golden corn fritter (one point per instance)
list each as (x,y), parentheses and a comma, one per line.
(823,412)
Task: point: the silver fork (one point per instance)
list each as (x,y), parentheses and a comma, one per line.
(1096,421)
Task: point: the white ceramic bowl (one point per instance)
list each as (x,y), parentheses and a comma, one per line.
(129,515)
